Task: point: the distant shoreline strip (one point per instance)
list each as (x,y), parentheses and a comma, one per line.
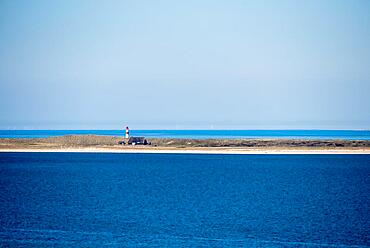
(193,151)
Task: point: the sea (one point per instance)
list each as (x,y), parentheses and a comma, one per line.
(200,134)
(184,200)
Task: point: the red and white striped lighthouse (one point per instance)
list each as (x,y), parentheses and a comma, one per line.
(127,132)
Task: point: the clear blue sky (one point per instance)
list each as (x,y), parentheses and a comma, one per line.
(185,64)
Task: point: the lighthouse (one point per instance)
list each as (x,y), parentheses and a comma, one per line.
(127,133)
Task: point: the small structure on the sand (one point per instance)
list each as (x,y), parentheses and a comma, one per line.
(127,133)
(138,141)
(133,140)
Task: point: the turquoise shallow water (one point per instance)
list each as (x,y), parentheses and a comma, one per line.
(200,134)
(177,200)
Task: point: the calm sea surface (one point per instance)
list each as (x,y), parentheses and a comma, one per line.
(200,134)
(120,200)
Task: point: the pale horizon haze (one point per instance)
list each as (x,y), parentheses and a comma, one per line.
(185,64)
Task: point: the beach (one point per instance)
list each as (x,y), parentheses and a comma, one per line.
(109,144)
(198,151)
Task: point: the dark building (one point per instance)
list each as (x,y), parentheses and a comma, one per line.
(138,141)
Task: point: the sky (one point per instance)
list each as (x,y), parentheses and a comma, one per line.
(194,64)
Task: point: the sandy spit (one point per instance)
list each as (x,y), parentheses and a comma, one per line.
(199,151)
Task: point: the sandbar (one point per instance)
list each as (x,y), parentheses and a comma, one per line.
(109,144)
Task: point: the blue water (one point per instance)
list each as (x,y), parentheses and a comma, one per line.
(200,134)
(136,200)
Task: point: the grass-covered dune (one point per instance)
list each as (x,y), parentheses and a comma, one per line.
(76,141)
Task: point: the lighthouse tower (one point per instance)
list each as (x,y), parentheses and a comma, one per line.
(127,133)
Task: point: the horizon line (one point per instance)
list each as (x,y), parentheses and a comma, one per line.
(190,129)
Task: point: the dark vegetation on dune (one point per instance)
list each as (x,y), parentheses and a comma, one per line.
(110,141)
(258,143)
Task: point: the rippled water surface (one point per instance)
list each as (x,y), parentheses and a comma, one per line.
(92,200)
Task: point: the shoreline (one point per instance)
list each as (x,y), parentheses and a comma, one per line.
(192,151)
(110,144)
